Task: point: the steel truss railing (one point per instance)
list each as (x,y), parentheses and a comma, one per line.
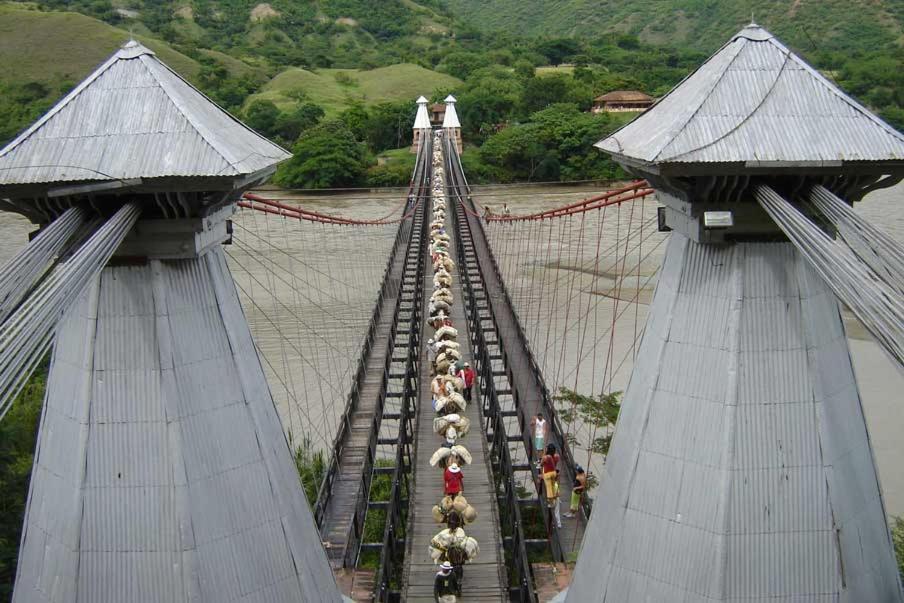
(473,221)
(521,586)
(392,549)
(407,241)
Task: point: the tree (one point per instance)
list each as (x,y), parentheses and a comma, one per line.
(461,64)
(289,126)
(557,143)
(261,115)
(628,42)
(395,172)
(389,125)
(490,96)
(540,92)
(517,150)
(557,50)
(327,156)
(524,69)
(355,119)
(600,413)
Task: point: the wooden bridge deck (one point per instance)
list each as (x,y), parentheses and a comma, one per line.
(484,579)
(348,487)
(524,382)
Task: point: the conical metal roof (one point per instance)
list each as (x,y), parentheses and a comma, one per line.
(134,117)
(422,119)
(757,103)
(450,120)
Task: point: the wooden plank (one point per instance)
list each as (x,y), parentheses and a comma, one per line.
(523,381)
(347,490)
(485,579)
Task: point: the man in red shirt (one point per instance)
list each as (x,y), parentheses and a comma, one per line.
(453,481)
(467,375)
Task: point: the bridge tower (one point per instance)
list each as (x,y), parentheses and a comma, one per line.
(162,472)
(451,125)
(422,126)
(742,468)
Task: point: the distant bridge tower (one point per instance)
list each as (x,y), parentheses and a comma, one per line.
(741,468)
(422,126)
(162,472)
(450,122)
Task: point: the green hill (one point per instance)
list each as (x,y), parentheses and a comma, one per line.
(336,89)
(701,24)
(44,54)
(48,47)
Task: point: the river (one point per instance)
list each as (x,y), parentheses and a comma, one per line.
(308,291)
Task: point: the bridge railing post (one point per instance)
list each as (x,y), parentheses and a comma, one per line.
(521,578)
(558,434)
(392,551)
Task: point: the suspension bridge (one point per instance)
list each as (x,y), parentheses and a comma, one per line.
(202,331)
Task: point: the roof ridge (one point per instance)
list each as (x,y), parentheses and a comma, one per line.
(733,129)
(705,97)
(837,91)
(181,109)
(614,135)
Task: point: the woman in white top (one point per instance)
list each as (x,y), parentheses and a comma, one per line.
(538,428)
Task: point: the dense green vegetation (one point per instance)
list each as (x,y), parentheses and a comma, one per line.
(346,71)
(17,443)
(311,465)
(702,24)
(897,536)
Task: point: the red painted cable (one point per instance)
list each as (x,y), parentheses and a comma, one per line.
(633,191)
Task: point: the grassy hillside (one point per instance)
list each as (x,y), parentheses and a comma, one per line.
(70,46)
(336,89)
(702,24)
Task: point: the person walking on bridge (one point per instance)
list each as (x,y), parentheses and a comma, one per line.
(431,355)
(550,469)
(577,491)
(445,585)
(467,375)
(453,480)
(538,429)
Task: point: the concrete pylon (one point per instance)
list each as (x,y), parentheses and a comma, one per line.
(451,125)
(422,126)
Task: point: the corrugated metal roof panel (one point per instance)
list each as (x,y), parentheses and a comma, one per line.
(111,458)
(134,118)
(127,519)
(741,466)
(756,101)
(143,577)
(137,496)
